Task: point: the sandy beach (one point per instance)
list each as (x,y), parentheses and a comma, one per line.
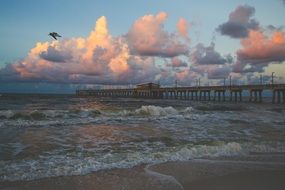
(194,174)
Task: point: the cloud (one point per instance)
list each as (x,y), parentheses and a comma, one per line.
(273,28)
(147,37)
(132,58)
(8,73)
(186,77)
(177,62)
(240,22)
(183,27)
(54,55)
(146,53)
(219,72)
(99,58)
(203,55)
(207,61)
(96,59)
(213,71)
(259,50)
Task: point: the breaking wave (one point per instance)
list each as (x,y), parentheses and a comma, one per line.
(43,118)
(46,114)
(66,165)
(151,110)
(147,111)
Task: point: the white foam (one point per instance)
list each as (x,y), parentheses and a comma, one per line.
(41,117)
(264,148)
(156,111)
(6,113)
(62,165)
(47,114)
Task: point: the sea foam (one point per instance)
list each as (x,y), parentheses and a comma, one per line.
(156,111)
(66,165)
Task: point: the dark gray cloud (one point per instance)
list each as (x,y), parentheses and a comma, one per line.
(219,72)
(213,71)
(203,55)
(8,73)
(239,23)
(248,67)
(274,28)
(54,55)
(207,61)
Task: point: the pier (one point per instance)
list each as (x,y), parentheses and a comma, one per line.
(232,93)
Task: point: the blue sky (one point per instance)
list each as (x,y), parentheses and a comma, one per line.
(24,23)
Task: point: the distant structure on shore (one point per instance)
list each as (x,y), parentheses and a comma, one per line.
(198,93)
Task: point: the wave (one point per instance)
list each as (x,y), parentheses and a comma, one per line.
(26,115)
(46,114)
(143,111)
(66,165)
(156,111)
(215,107)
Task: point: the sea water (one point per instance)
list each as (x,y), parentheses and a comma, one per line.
(61,135)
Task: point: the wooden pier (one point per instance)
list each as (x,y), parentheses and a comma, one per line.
(233,93)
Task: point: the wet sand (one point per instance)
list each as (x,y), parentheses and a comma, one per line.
(194,174)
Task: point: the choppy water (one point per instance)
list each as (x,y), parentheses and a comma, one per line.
(47,136)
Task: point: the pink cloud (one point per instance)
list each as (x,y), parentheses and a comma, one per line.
(101,58)
(147,53)
(147,37)
(259,47)
(259,50)
(74,59)
(176,62)
(183,27)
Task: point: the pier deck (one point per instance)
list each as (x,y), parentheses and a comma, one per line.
(199,93)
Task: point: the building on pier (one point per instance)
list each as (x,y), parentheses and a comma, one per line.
(147,86)
(147,90)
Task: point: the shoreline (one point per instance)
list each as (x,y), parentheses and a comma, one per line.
(193,174)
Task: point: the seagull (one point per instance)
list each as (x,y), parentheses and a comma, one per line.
(54,35)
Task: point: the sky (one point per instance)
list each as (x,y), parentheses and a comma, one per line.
(122,43)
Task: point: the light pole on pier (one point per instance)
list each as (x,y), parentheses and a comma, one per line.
(272,77)
(261,79)
(175,83)
(224,81)
(230,80)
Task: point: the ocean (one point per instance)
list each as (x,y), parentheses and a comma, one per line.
(44,136)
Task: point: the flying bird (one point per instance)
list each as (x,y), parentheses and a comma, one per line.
(54,35)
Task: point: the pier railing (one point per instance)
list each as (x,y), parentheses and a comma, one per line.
(199,93)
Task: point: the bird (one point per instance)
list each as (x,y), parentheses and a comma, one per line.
(54,35)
